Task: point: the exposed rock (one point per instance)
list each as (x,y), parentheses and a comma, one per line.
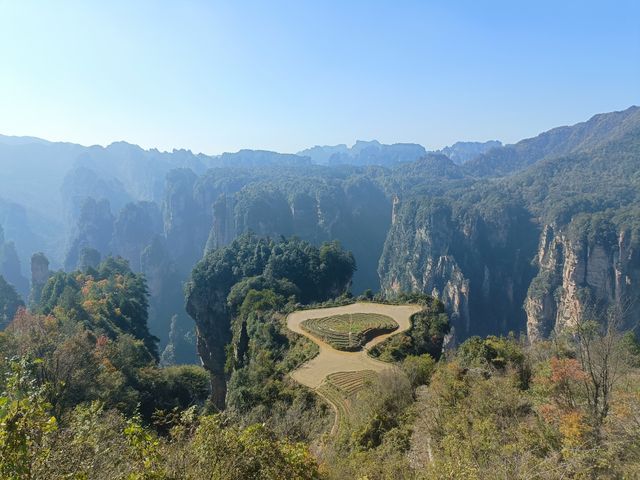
(10,266)
(355,212)
(462,152)
(39,275)
(476,263)
(89,258)
(166,298)
(10,302)
(574,273)
(136,225)
(94,230)
(183,228)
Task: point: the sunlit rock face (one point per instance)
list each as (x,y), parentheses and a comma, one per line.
(578,272)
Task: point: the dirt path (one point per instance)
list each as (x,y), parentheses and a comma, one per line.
(330,360)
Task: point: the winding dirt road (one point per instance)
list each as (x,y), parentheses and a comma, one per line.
(330,360)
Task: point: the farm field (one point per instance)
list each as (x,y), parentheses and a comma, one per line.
(338,375)
(340,390)
(349,331)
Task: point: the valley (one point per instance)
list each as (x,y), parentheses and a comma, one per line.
(463,281)
(320,240)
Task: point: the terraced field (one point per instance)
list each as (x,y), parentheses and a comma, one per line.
(351,331)
(340,390)
(338,375)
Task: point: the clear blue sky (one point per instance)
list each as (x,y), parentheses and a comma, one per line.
(282,75)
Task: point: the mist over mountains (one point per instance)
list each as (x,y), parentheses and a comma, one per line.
(510,237)
(45,184)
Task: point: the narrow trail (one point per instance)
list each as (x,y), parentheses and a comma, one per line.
(329,360)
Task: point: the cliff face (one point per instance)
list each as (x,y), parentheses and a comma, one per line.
(195,210)
(39,275)
(574,272)
(94,230)
(133,230)
(208,309)
(355,212)
(10,266)
(491,277)
(477,263)
(180,217)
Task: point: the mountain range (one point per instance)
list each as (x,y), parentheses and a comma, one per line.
(514,237)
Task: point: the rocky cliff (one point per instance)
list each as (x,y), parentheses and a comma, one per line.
(577,271)
(354,211)
(39,275)
(476,262)
(10,266)
(220,284)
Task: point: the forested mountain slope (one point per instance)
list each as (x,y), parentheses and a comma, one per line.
(555,237)
(596,132)
(512,238)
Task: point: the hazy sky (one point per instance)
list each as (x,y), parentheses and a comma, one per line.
(283,75)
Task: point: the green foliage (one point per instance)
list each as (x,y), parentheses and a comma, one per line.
(418,369)
(102,444)
(259,389)
(497,352)
(25,422)
(111,300)
(374,441)
(170,389)
(232,288)
(10,302)
(77,367)
(253,453)
(289,267)
(428,330)
(239,291)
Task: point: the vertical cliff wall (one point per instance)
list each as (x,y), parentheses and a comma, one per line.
(477,262)
(591,261)
(356,212)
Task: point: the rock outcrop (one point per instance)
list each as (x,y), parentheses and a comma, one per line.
(577,272)
(355,212)
(476,263)
(10,266)
(134,228)
(462,152)
(94,230)
(39,275)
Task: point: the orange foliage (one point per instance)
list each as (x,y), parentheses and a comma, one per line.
(564,370)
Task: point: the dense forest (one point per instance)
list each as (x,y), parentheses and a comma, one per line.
(146,299)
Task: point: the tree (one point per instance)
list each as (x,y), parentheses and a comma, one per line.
(253,453)
(25,422)
(10,302)
(603,356)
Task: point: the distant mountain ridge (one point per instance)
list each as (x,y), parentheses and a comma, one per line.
(365,153)
(462,152)
(595,132)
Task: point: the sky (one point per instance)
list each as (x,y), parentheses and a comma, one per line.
(280,75)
